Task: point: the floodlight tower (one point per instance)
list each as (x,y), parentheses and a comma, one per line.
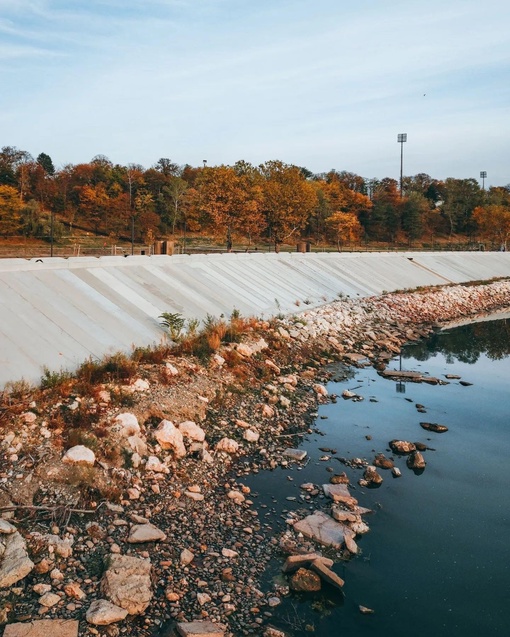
(401,138)
(483,177)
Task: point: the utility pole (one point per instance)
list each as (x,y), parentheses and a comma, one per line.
(401,138)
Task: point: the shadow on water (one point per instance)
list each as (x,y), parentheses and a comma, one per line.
(436,558)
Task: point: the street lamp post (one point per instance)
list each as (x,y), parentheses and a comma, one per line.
(483,177)
(401,138)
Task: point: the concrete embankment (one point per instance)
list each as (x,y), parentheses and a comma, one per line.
(58,312)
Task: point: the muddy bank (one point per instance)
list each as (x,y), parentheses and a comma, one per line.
(157,463)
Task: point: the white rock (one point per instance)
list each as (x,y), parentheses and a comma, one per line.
(171,370)
(127,583)
(186,557)
(251,436)
(244,350)
(128,424)
(138,445)
(203,598)
(320,390)
(49,599)
(6,528)
(169,437)
(154,464)
(191,430)
(236,496)
(218,360)
(102,613)
(227,445)
(140,385)
(145,533)
(79,455)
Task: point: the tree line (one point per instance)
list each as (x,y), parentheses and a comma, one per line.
(274,201)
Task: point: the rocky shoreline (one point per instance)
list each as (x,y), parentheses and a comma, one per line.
(124,507)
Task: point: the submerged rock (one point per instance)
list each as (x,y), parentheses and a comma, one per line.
(305,581)
(434,426)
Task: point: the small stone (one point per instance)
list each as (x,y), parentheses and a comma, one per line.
(145,533)
(49,599)
(103,613)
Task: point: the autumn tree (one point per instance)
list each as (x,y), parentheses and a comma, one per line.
(345,228)
(493,223)
(10,211)
(287,199)
(229,202)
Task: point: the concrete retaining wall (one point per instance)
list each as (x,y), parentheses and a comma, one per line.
(58,312)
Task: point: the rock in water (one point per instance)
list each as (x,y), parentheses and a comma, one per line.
(416,461)
(434,426)
(305,581)
(402,446)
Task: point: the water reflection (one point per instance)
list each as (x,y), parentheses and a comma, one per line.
(466,343)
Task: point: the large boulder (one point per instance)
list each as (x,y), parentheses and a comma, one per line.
(169,437)
(14,561)
(127,424)
(43,628)
(127,583)
(191,430)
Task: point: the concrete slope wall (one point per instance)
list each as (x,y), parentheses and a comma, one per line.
(58,312)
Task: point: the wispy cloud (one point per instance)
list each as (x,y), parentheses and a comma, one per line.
(323,84)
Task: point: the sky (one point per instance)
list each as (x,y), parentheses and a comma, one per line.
(317,83)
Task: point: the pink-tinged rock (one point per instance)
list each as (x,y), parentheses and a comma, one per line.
(169,437)
(322,528)
(227,445)
(145,533)
(14,563)
(103,613)
(191,430)
(79,455)
(154,464)
(402,446)
(340,493)
(43,628)
(200,629)
(127,583)
(320,390)
(128,424)
(294,562)
(326,574)
(251,436)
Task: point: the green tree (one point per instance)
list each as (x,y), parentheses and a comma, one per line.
(45,161)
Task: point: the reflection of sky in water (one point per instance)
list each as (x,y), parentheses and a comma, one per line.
(436,559)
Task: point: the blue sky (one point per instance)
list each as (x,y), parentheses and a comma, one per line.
(318,83)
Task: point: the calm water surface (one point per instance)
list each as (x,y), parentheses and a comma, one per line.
(436,559)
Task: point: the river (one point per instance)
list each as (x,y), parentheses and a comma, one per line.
(436,559)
